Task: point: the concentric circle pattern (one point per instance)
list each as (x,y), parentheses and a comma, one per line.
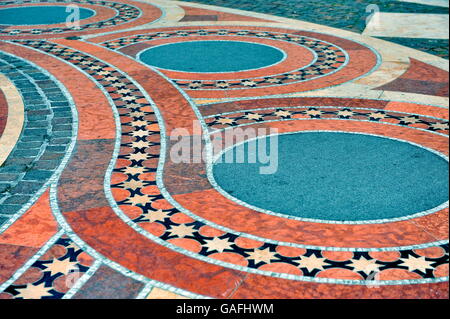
(164,150)
(109,16)
(327,67)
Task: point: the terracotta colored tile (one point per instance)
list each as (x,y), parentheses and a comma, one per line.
(34,228)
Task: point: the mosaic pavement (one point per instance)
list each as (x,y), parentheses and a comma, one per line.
(92,204)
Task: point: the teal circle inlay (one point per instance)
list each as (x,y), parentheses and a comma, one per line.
(211,56)
(37,15)
(335,176)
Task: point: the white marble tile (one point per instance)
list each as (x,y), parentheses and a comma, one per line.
(405,25)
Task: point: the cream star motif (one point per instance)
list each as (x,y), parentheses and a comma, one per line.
(377,115)
(439,126)
(64,266)
(409,119)
(157,215)
(96,67)
(103,72)
(248,83)
(222,84)
(139,133)
(134,170)
(282,113)
(138,156)
(140,199)
(311,72)
(118,84)
(132,105)
(364,265)
(137,114)
(129,98)
(314,112)
(111,78)
(195,85)
(181,230)
(124,91)
(416,263)
(345,113)
(273,80)
(294,76)
(264,255)
(217,244)
(324,67)
(133,184)
(253,116)
(34,292)
(140,144)
(312,262)
(139,123)
(224,120)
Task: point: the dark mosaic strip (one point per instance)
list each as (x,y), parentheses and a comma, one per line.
(58,270)
(144,148)
(44,138)
(343,14)
(126,13)
(329,57)
(245,116)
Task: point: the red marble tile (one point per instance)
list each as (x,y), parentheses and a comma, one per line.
(421,78)
(107,283)
(257,286)
(12,257)
(81,183)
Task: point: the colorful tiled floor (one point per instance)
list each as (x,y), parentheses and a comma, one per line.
(94,204)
